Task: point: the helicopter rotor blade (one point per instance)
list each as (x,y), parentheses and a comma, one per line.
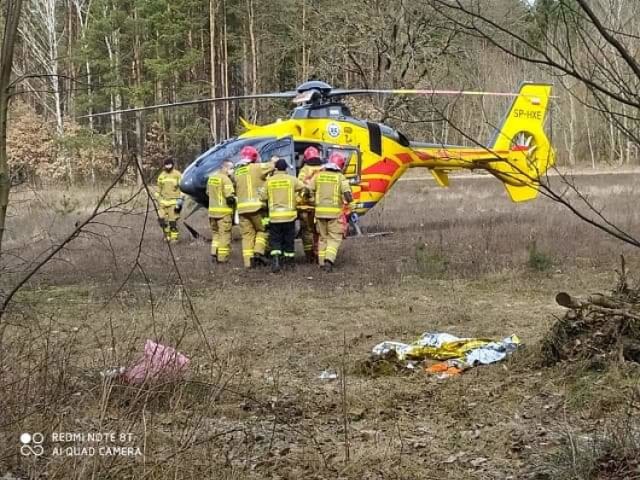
(338,92)
(194,102)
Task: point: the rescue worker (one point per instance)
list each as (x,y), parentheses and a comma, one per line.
(221,202)
(250,176)
(170,200)
(312,164)
(331,190)
(280,194)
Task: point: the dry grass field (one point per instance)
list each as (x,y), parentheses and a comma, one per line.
(464,260)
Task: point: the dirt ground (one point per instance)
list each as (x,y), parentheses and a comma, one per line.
(464,261)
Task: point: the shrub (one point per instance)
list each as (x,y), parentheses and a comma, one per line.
(430,263)
(538,260)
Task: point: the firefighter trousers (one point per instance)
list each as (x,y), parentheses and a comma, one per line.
(221,237)
(169,221)
(282,237)
(308,231)
(254,236)
(330,231)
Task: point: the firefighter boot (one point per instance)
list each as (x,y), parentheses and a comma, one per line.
(289,261)
(260,260)
(275,263)
(165,227)
(173,234)
(328,266)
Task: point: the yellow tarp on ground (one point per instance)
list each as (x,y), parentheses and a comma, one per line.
(443,346)
(446,351)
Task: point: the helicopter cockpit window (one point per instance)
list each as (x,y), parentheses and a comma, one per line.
(214,152)
(282,148)
(228,150)
(403,140)
(321,111)
(352,161)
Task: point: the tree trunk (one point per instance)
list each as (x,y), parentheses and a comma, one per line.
(70,69)
(572,130)
(113,50)
(137,75)
(53,39)
(589,138)
(612,132)
(245,66)
(83,16)
(304,44)
(254,59)
(212,57)
(226,70)
(12,18)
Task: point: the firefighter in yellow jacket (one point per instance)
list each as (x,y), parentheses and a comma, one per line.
(312,165)
(280,194)
(170,200)
(250,177)
(332,190)
(221,192)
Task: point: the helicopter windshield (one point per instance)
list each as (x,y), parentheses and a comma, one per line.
(229,150)
(194,178)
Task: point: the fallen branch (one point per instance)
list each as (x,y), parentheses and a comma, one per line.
(597,302)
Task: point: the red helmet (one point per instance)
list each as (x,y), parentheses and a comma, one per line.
(311,153)
(249,153)
(337,159)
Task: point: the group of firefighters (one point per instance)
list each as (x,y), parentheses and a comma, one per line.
(268,200)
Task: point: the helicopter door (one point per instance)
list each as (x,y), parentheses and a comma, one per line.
(352,162)
(281,148)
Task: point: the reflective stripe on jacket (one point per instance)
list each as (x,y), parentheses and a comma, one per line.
(169,187)
(281,191)
(330,187)
(250,178)
(219,188)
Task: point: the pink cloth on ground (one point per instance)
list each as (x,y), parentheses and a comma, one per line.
(158,362)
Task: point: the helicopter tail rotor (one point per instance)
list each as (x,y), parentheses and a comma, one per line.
(527,150)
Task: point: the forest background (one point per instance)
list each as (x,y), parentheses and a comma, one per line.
(78,57)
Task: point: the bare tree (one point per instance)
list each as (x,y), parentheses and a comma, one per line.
(42,39)
(567,39)
(12,20)
(591,42)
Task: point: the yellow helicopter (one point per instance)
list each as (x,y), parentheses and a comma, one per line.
(377,155)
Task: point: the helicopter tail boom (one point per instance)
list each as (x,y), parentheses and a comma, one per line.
(518,154)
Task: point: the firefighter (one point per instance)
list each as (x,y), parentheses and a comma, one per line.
(170,200)
(312,165)
(221,202)
(331,190)
(250,176)
(280,194)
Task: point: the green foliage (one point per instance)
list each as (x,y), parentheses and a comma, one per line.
(430,263)
(127,53)
(538,260)
(67,205)
(546,17)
